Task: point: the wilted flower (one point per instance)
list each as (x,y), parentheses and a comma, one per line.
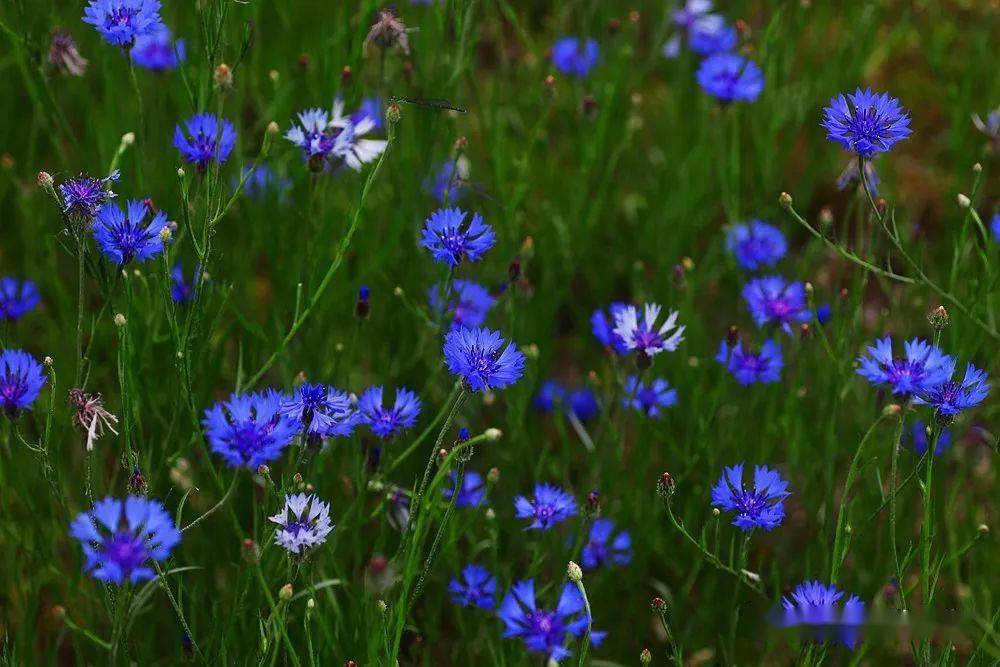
(21,379)
(866,123)
(90,416)
(548,506)
(386,422)
(125,236)
(205,138)
(476,356)
(759,507)
(64,57)
(477,588)
(17,297)
(249,430)
(303,523)
(388,31)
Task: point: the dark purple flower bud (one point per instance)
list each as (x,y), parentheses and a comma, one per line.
(362,307)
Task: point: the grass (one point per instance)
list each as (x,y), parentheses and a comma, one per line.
(626,202)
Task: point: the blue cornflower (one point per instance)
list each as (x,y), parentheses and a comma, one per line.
(84,196)
(472,493)
(851,174)
(582,403)
(546,631)
(756,244)
(17,297)
(693,11)
(311,135)
(995,227)
(707,37)
(349,148)
(475,356)
(122,538)
(695,16)
(451,180)
(651,399)
(182,291)
(921,436)
(641,334)
(125,236)
(550,394)
(815,604)
(468,303)
(397,512)
(773,301)
(249,430)
(603,328)
(601,550)
(452,236)
(322,411)
(948,397)
(370,108)
(748,366)
(303,523)
(207,139)
(991,126)
(866,123)
(571,56)
(260,181)
(823,313)
(156,52)
(477,588)
(120,22)
(21,378)
(385,422)
(760,507)
(924,367)
(547,507)
(730,77)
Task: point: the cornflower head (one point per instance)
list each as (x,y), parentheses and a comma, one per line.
(819,606)
(995,227)
(582,403)
(571,55)
(125,236)
(312,137)
(64,56)
(773,301)
(121,539)
(641,334)
(851,174)
(546,631)
(84,195)
(730,77)
(989,127)
(550,394)
(924,367)
(17,297)
(605,548)
(921,437)
(475,355)
(156,52)
(205,138)
(748,366)
(694,16)
(182,291)
(603,327)
(90,416)
(249,430)
(332,139)
(303,523)
(691,12)
(709,36)
(386,422)
(322,411)
(477,588)
(756,244)
(548,506)
(451,180)
(759,507)
(452,236)
(949,397)
(472,493)
(21,379)
(468,303)
(866,123)
(121,22)
(649,399)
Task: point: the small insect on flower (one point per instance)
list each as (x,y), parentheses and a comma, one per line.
(17,297)
(120,22)
(157,53)
(21,379)
(924,367)
(476,588)
(64,57)
(249,430)
(817,607)
(772,301)
(548,506)
(949,397)
(759,507)
(125,236)
(546,631)
(730,77)
(303,523)
(84,196)
(472,493)
(649,399)
(641,334)
(603,327)
(205,138)
(748,366)
(322,411)
(571,55)
(756,244)
(387,422)
(604,548)
(122,538)
(468,303)
(475,355)
(90,416)
(866,123)
(452,236)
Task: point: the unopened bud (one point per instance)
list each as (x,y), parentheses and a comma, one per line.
(48,361)
(493,434)
(716,512)
(550,82)
(665,486)
(310,604)
(645,657)
(120,320)
(362,306)
(272,128)
(514,270)
(659,605)
(574,573)
(45,179)
(733,335)
(938,318)
(263,470)
(826,216)
(490,514)
(346,75)
(785,200)
(392,113)
(274,75)
(594,502)
(891,409)
(165,234)
(589,104)
(382,606)
(397,291)
(223,76)
(442,454)
(180,172)
(493,476)
(59,612)
(128,139)
(285,593)
(297,478)
(614,25)
(251,553)
(977,168)
(963,201)
(982,529)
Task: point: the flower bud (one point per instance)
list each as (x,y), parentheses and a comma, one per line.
(45,179)
(382,606)
(165,234)
(361,306)
(297,478)
(48,362)
(716,512)
(659,605)
(589,105)
(392,113)
(733,335)
(180,172)
(250,551)
(977,168)
(938,318)
(223,76)
(785,200)
(665,487)
(120,320)
(263,470)
(493,476)
(645,657)
(963,201)
(346,75)
(493,434)
(285,593)
(273,129)
(310,604)
(128,139)
(982,529)
(891,409)
(574,573)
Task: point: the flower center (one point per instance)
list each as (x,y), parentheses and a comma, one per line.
(126,550)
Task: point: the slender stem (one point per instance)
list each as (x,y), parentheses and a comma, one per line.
(81,252)
(586,637)
(893,477)
(418,498)
(215,508)
(423,436)
(161,577)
